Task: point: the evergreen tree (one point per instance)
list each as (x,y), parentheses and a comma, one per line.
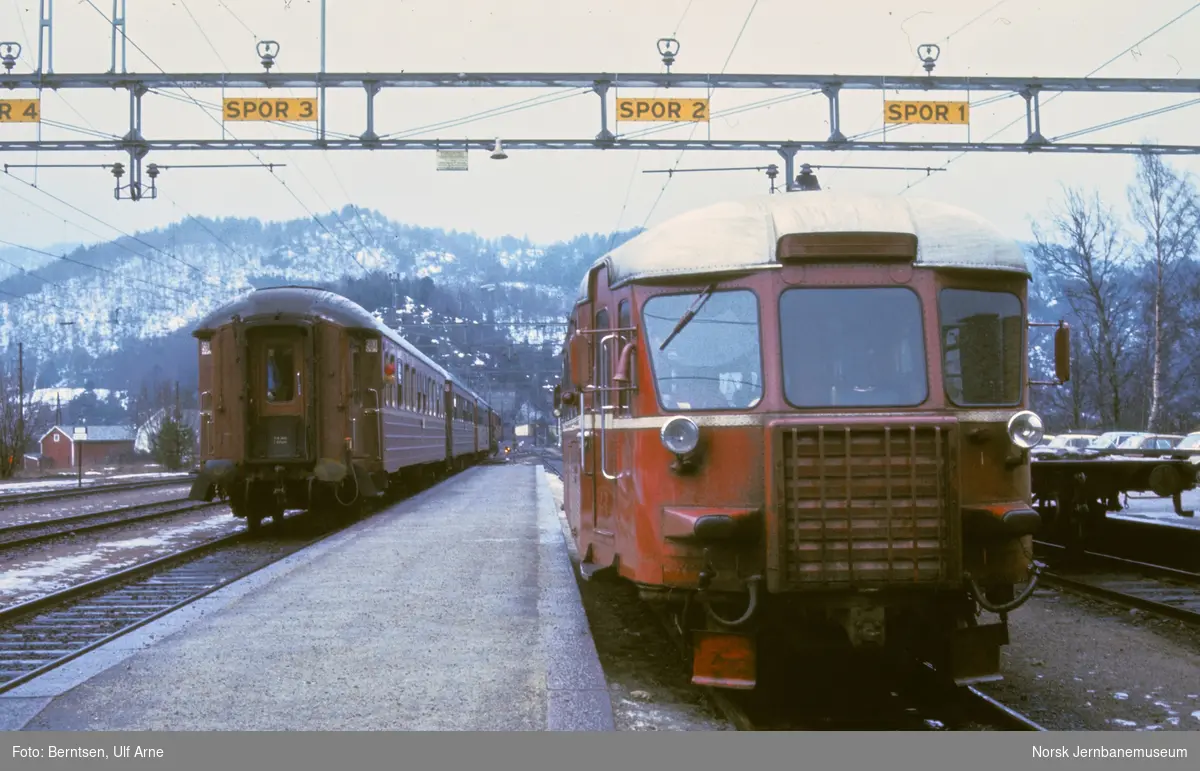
(174,443)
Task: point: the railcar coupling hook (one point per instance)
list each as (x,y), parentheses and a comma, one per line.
(1004,608)
(751,606)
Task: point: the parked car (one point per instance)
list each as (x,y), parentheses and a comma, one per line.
(1152,441)
(1191,442)
(1111,439)
(1065,444)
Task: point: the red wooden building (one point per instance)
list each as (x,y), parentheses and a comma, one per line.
(98,445)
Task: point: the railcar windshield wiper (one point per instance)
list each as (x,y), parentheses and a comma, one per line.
(689,314)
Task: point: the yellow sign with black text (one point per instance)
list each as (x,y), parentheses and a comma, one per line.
(662,110)
(283,110)
(20,110)
(952,113)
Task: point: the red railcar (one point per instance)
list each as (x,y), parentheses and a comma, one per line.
(800,420)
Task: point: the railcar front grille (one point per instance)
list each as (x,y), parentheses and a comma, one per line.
(866,505)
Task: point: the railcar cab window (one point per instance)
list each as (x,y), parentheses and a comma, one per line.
(981,346)
(714,362)
(280,380)
(852,347)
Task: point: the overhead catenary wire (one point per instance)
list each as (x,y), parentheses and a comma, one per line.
(1052,97)
(637,159)
(183,4)
(283,182)
(678,160)
(86,265)
(72,206)
(980,103)
(298,168)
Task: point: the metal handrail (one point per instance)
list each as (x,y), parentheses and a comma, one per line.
(604,406)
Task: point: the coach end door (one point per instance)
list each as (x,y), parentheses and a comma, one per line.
(278,388)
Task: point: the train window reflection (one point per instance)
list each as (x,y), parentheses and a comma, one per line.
(853,347)
(280,375)
(982,346)
(715,361)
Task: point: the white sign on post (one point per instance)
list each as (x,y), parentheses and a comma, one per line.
(451,160)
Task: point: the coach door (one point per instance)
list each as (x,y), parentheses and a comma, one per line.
(604,411)
(366,370)
(278,388)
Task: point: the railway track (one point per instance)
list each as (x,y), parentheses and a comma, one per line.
(11,499)
(33,532)
(841,697)
(855,694)
(1155,588)
(45,633)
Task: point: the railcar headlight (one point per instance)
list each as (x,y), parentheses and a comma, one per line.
(1025,429)
(680,435)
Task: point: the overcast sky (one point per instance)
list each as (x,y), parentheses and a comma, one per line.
(550,195)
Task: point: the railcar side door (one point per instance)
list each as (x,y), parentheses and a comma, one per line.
(604,477)
(366,371)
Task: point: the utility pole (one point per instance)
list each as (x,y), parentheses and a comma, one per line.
(321,99)
(57,409)
(21,405)
(395,279)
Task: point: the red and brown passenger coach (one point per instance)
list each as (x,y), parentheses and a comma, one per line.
(801,420)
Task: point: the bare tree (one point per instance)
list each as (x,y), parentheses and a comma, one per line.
(19,423)
(1087,253)
(1164,206)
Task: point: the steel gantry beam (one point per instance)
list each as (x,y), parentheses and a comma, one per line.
(771,145)
(269,83)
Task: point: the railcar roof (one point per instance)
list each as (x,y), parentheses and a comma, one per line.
(743,234)
(314,303)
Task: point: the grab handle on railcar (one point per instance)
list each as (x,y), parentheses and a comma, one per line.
(604,406)
(206,416)
(603,442)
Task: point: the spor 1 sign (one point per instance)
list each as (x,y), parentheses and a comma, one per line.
(952,113)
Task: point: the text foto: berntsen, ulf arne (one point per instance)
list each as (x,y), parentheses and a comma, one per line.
(128,751)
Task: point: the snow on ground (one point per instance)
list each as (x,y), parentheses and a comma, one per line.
(90,479)
(66,564)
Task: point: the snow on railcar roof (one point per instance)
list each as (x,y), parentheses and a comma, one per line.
(312,302)
(743,234)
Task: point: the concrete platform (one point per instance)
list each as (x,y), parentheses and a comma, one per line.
(454,610)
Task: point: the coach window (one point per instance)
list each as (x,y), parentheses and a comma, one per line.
(602,372)
(390,397)
(853,347)
(713,361)
(982,347)
(280,380)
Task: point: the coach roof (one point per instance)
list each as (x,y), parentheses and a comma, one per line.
(289,303)
(742,235)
